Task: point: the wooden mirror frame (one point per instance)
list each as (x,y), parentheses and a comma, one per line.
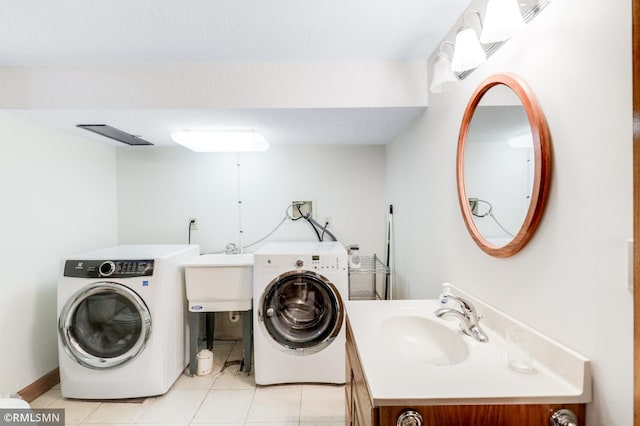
(542,167)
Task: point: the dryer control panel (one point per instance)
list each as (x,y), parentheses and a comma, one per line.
(108,268)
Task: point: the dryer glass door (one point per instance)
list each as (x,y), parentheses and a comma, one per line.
(104,325)
(301,312)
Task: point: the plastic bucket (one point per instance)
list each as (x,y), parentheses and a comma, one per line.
(204,360)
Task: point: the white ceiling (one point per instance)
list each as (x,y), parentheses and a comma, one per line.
(42,32)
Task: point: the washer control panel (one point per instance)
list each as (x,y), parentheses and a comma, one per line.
(108,268)
(318,262)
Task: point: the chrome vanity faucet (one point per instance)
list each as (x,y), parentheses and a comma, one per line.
(468,316)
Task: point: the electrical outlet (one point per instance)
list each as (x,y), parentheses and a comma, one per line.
(327,220)
(301,208)
(193,224)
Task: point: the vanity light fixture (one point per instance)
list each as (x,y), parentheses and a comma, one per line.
(468,53)
(221,140)
(443,77)
(502,19)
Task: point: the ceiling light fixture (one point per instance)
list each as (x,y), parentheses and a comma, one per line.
(468,53)
(443,78)
(221,140)
(502,19)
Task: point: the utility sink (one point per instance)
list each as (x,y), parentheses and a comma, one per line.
(219,282)
(424,340)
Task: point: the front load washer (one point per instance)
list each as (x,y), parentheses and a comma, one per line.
(299,318)
(121,321)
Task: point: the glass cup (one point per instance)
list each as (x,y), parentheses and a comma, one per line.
(519,342)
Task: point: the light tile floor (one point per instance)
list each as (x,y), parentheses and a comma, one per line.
(225,397)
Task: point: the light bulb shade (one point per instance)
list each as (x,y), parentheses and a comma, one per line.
(502,20)
(221,140)
(443,78)
(468,54)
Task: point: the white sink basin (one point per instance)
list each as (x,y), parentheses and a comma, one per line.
(410,356)
(422,339)
(219,282)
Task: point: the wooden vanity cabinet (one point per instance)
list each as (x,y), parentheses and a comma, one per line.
(359,406)
(360,409)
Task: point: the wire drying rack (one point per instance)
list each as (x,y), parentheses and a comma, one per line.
(367,282)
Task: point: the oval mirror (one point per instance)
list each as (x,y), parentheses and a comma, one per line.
(503,165)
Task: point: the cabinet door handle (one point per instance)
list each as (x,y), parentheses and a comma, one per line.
(409,418)
(563,417)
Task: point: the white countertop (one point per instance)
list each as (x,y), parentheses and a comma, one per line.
(483,378)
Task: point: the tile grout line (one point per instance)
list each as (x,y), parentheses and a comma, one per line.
(88,415)
(253,396)
(300,405)
(246,416)
(199,407)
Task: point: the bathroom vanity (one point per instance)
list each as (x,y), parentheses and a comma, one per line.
(446,378)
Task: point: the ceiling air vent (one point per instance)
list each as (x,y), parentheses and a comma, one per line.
(113,133)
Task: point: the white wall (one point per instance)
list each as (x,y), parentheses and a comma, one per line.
(215,85)
(59,198)
(570,281)
(502,176)
(160,188)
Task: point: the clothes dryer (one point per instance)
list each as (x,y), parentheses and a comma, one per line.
(299,318)
(121,321)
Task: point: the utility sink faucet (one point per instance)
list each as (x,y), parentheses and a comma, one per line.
(466,313)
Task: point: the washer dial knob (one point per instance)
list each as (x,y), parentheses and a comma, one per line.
(107,268)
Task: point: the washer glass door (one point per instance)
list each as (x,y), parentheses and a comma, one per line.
(104,324)
(301,311)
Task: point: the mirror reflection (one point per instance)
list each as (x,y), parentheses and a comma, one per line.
(503,165)
(499,165)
